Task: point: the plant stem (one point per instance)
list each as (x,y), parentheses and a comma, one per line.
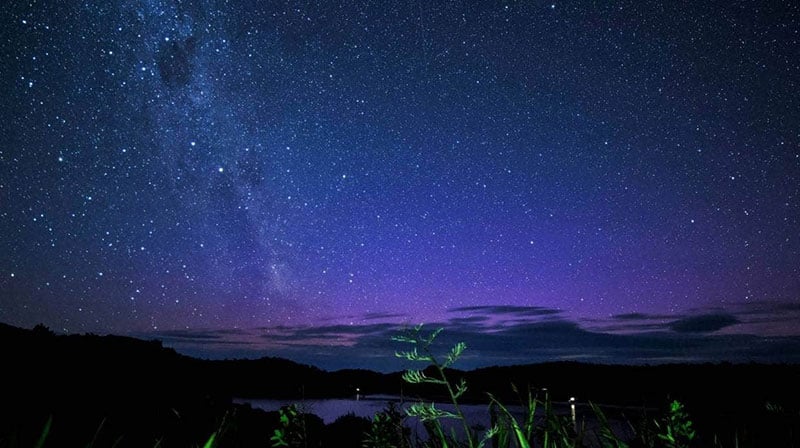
(453,398)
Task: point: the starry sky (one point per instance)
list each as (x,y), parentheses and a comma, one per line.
(241,178)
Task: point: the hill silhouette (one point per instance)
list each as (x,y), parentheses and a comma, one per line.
(131,392)
(135,392)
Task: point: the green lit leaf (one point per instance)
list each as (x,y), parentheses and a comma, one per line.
(210,443)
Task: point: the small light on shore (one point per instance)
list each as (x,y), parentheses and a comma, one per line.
(572,412)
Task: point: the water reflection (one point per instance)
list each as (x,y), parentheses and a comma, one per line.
(477,415)
(369,405)
(332,408)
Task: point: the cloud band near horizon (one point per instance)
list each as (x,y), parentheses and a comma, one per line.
(507,335)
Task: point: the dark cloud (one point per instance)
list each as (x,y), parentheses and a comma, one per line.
(231,331)
(633,327)
(772,309)
(643,316)
(633,338)
(181,334)
(707,323)
(789,306)
(632,323)
(468,320)
(507,309)
(630,316)
(329,331)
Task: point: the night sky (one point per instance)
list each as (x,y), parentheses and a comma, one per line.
(611,181)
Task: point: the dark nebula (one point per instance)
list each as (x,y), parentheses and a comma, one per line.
(175,61)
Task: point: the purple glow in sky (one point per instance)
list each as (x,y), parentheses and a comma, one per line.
(244,172)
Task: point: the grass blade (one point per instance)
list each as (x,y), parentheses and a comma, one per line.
(45,432)
(211,442)
(96,433)
(522,442)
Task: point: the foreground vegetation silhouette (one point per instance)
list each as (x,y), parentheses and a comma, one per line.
(551,431)
(54,394)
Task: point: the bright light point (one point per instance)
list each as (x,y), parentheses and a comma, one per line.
(220,169)
(553,6)
(193,143)
(12,274)
(692,221)
(60,159)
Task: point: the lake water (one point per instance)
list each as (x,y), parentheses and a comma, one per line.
(329,409)
(367,406)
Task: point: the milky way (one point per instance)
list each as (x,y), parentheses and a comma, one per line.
(173,165)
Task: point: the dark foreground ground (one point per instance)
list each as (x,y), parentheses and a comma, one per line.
(116,391)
